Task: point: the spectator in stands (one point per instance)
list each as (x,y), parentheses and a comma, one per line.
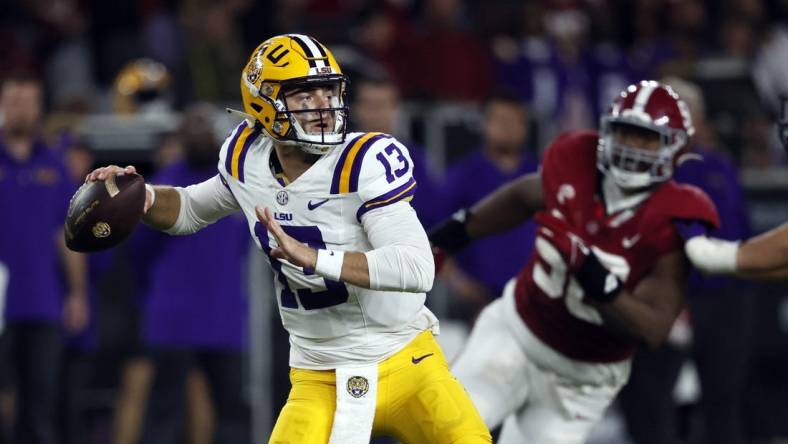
(142,87)
(376,107)
(566,81)
(383,36)
(136,372)
(35,189)
(79,349)
(447,58)
(195,309)
(212,53)
(720,313)
(502,157)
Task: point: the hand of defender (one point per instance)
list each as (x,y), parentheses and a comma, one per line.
(562,236)
(290,249)
(598,282)
(104,172)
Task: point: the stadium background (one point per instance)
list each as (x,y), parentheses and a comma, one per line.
(564,58)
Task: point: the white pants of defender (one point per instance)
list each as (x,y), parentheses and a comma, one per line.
(543,396)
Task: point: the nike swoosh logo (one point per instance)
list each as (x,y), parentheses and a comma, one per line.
(416,360)
(312,206)
(628,242)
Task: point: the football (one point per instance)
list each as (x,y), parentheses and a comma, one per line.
(104,213)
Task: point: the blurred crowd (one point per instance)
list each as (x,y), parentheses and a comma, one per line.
(155,344)
(566,58)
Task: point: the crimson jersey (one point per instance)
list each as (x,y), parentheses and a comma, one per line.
(628,242)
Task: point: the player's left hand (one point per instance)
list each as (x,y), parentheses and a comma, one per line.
(599,283)
(75,312)
(289,249)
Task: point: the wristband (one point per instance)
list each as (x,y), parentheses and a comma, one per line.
(150,188)
(711,255)
(329,264)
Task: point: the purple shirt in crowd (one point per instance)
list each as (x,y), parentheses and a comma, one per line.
(718,176)
(99,263)
(549,83)
(428,200)
(34,197)
(194,286)
(496,259)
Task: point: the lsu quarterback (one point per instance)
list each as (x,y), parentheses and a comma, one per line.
(351,261)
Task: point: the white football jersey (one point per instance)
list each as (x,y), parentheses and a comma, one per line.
(330,323)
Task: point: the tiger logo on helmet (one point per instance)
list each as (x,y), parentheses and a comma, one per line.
(288,63)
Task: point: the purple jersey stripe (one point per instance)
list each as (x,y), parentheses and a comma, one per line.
(249,141)
(226,185)
(405,191)
(228,159)
(355,170)
(224,182)
(341,164)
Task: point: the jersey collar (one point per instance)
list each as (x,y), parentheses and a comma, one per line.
(615,200)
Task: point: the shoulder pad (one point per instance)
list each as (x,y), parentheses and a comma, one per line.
(234,150)
(571,158)
(381,173)
(571,149)
(683,201)
(348,169)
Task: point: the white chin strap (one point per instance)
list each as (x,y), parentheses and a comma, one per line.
(313,148)
(309,142)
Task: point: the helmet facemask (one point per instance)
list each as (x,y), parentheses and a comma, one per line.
(631,167)
(326,127)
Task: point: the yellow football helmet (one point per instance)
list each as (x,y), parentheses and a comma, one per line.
(288,63)
(140,83)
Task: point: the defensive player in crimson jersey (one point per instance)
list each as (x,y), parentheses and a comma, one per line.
(607,272)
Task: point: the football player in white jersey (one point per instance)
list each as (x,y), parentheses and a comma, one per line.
(763,257)
(352,262)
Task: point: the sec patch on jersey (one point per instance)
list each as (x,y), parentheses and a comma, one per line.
(103,214)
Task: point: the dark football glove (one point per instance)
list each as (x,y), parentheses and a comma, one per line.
(451,234)
(599,283)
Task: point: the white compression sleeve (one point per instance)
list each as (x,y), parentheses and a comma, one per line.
(711,255)
(401,259)
(203,204)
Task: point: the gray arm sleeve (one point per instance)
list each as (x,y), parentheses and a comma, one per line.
(401,259)
(203,204)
